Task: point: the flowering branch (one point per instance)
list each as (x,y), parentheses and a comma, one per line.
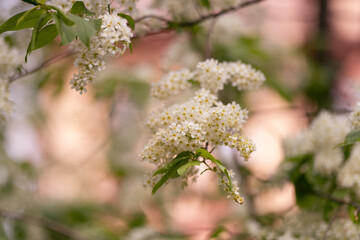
(45,223)
(201,19)
(42,65)
(171,25)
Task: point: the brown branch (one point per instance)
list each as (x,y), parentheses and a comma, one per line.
(44,64)
(172,25)
(42,222)
(345,201)
(215,15)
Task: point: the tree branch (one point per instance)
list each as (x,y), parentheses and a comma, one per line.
(345,201)
(42,222)
(171,25)
(44,64)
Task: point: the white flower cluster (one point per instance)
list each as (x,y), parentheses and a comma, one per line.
(172,84)
(349,174)
(306,226)
(211,75)
(231,188)
(200,121)
(10,59)
(129,7)
(112,39)
(325,132)
(97,6)
(355,117)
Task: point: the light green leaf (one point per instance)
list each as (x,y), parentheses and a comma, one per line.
(181,171)
(129,19)
(205,154)
(83,28)
(79,8)
(351,137)
(28,21)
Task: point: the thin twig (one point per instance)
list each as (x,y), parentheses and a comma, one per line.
(45,223)
(172,25)
(345,201)
(44,64)
(166,29)
(215,15)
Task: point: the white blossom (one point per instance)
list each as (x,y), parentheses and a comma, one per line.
(355,117)
(349,174)
(324,134)
(112,39)
(172,84)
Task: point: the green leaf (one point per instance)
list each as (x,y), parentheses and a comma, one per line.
(129,19)
(205,3)
(171,173)
(34,34)
(180,157)
(84,29)
(28,21)
(181,171)
(35,2)
(205,154)
(351,137)
(354,214)
(79,9)
(66,19)
(44,37)
(131,47)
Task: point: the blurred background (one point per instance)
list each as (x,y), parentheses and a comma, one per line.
(73,159)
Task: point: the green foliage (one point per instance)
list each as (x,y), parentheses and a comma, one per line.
(23,20)
(43,37)
(79,9)
(185,160)
(205,3)
(351,138)
(129,19)
(35,2)
(82,29)
(69,27)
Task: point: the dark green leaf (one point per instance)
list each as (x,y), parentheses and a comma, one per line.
(34,34)
(181,171)
(129,19)
(171,173)
(180,157)
(205,3)
(44,37)
(79,8)
(28,22)
(33,2)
